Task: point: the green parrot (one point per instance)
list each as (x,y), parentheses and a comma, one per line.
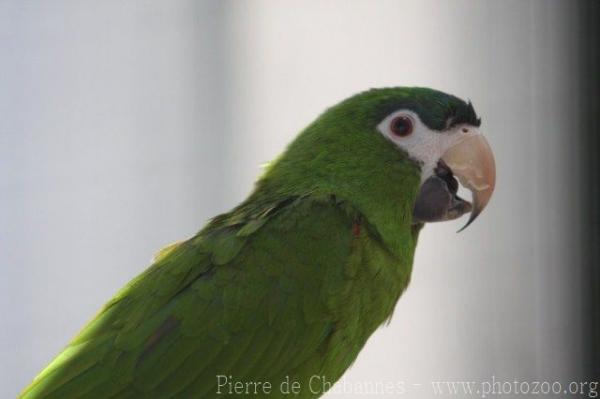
(282,292)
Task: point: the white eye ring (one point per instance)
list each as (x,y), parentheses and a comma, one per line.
(421,143)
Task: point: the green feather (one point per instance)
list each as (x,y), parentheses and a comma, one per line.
(291,283)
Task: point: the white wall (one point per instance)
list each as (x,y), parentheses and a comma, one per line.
(124,127)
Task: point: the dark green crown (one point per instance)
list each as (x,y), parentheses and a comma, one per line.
(437,110)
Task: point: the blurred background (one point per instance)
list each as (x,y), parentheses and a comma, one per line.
(125,126)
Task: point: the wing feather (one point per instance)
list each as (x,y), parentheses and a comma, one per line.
(244,297)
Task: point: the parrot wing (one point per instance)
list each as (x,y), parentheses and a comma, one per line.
(249,296)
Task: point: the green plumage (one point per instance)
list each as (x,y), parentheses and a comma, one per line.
(289,284)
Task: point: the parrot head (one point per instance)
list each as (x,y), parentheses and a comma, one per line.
(436,134)
(441,134)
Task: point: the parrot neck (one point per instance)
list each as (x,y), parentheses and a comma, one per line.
(382,189)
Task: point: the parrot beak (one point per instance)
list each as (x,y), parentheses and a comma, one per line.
(472,162)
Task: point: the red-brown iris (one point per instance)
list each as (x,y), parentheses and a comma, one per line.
(401,126)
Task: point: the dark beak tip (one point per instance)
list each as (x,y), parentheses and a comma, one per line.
(474,214)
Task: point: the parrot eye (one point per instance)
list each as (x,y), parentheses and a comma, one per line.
(401,126)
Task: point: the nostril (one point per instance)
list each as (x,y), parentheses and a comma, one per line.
(465,130)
